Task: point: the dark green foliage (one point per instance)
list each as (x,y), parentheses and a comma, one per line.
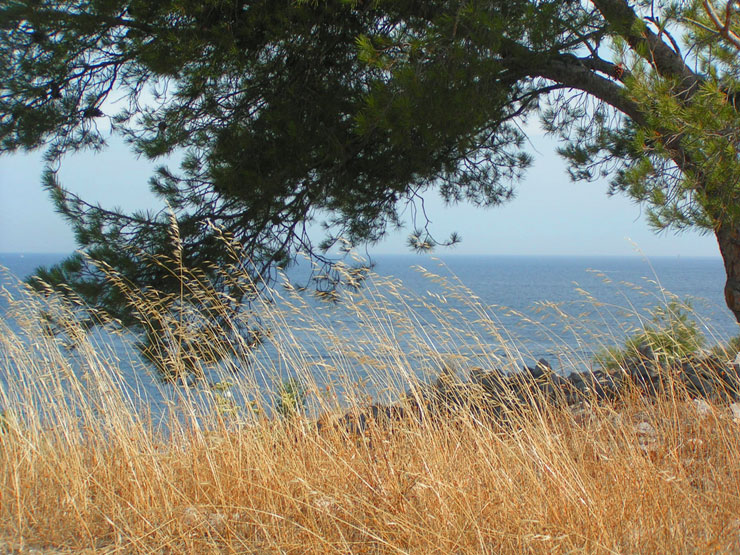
(291,398)
(729,350)
(287,113)
(279,120)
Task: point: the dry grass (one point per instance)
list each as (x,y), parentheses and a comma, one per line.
(84,469)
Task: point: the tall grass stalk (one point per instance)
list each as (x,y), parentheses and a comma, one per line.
(86,463)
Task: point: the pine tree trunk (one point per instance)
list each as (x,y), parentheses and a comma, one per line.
(728,237)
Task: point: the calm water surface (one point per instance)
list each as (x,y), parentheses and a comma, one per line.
(515,291)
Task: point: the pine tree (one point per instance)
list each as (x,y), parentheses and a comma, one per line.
(291,112)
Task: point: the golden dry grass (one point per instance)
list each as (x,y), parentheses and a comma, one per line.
(550,483)
(81,470)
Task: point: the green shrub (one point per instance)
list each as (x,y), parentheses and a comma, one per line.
(729,350)
(673,335)
(291,398)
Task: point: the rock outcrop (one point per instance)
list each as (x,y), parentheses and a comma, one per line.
(492,393)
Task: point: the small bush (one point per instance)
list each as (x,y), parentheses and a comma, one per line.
(291,398)
(672,336)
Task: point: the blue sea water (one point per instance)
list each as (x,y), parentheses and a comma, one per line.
(602,291)
(523,283)
(535,300)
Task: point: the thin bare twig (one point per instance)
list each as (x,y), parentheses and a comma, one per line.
(723,28)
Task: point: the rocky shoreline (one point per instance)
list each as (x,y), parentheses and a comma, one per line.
(493,395)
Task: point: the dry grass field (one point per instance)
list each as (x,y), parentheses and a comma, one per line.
(83,469)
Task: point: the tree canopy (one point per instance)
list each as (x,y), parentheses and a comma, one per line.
(286,112)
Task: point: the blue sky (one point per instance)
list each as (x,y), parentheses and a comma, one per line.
(550,214)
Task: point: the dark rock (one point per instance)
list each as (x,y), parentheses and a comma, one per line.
(557,389)
(578,380)
(713,363)
(593,385)
(697,384)
(482,377)
(358,422)
(709,377)
(492,395)
(607,386)
(645,352)
(540,369)
(730,377)
(644,373)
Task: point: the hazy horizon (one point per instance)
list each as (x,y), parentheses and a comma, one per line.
(550,215)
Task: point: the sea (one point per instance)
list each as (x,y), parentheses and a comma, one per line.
(469,309)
